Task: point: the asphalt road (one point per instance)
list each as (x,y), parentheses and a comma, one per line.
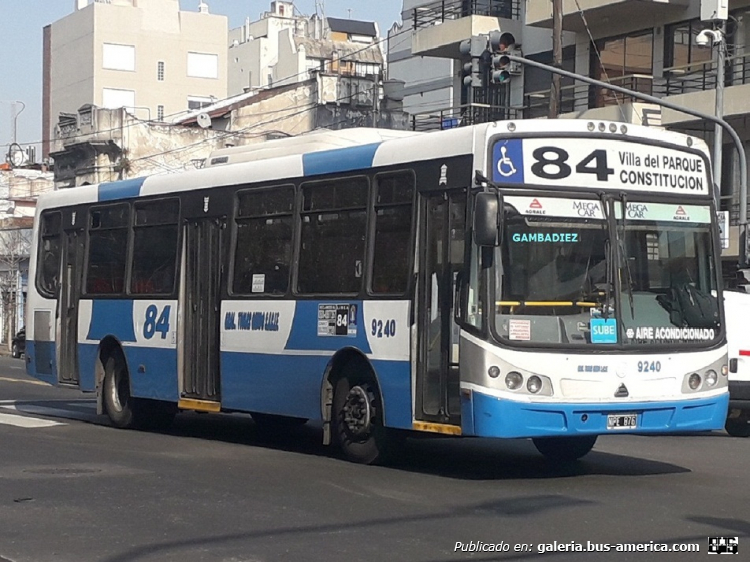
(73,489)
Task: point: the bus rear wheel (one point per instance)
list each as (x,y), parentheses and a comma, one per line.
(358,422)
(118,402)
(565,449)
(127,412)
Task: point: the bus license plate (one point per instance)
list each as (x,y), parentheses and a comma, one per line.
(621,421)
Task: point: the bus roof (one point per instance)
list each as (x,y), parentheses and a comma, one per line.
(346,150)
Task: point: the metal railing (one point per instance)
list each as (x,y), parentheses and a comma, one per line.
(700,76)
(461,116)
(435,13)
(577,98)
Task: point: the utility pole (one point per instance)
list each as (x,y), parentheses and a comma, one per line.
(554,94)
(721,47)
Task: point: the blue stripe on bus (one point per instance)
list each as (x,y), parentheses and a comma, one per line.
(272,384)
(494,417)
(111,317)
(395,385)
(153,372)
(88,355)
(111,191)
(339,160)
(304,332)
(291,384)
(38,353)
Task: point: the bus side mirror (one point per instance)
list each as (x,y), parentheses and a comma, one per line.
(488,218)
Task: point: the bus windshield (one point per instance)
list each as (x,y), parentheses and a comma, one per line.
(569,280)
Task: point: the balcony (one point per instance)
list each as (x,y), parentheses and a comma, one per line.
(461,116)
(440,26)
(602,13)
(694,86)
(590,101)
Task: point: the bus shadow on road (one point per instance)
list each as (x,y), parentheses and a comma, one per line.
(460,458)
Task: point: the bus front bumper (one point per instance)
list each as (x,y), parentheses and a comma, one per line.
(489,416)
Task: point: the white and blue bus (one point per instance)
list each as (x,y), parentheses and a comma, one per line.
(553,280)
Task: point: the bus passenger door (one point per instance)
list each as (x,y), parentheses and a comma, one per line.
(70,293)
(200,303)
(441,258)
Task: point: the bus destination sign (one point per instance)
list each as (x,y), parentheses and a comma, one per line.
(599,164)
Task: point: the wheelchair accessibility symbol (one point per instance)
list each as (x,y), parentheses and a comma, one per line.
(508,161)
(505,165)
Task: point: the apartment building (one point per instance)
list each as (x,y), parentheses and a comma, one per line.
(146,55)
(284,47)
(648,46)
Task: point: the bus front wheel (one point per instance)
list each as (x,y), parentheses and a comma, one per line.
(565,449)
(358,422)
(738,426)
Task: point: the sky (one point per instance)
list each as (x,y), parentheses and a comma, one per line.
(21,23)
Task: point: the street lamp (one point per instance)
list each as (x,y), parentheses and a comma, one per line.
(715,37)
(15,117)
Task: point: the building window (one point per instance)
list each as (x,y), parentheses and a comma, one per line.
(114,99)
(202,65)
(118,57)
(199,102)
(160,71)
(680,46)
(623,61)
(160,112)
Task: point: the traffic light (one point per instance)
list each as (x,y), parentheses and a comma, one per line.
(503,69)
(473,50)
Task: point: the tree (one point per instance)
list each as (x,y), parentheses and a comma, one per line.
(15,244)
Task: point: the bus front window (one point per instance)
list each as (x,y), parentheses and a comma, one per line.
(669,283)
(566,280)
(555,274)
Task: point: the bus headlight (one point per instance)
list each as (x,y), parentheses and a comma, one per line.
(534,384)
(711,378)
(694,381)
(513,380)
(494,371)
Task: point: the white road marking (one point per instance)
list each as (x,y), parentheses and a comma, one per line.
(22,408)
(6,379)
(23,421)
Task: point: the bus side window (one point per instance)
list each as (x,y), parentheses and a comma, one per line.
(334,224)
(108,245)
(392,247)
(155,234)
(263,251)
(50,254)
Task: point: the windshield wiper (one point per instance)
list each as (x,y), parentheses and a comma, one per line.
(609,262)
(623,243)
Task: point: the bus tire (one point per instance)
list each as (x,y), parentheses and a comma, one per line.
(738,427)
(358,422)
(565,449)
(118,402)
